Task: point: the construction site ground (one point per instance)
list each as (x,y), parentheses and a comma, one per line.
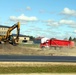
(8,49)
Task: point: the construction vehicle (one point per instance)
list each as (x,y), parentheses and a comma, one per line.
(8,38)
(56,43)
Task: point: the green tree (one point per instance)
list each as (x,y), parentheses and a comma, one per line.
(70,38)
(32,38)
(74,39)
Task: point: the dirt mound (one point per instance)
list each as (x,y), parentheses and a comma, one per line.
(6,46)
(9,49)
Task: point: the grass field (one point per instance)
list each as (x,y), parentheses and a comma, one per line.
(30,45)
(44,69)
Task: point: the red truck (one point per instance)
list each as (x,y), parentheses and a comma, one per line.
(57,43)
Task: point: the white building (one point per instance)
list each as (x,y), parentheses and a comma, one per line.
(3,29)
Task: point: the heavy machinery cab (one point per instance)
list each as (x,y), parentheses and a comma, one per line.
(12,40)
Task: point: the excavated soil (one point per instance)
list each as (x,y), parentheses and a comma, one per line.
(8,49)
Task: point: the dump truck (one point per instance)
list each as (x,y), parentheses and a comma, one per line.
(8,38)
(56,43)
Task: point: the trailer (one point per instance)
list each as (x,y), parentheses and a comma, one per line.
(57,43)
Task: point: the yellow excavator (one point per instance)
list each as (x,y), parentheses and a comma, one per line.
(8,38)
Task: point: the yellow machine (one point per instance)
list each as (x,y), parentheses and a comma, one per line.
(8,37)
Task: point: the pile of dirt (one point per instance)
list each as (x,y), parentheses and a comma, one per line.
(8,49)
(6,46)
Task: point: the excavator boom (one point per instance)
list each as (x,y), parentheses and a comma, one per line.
(8,37)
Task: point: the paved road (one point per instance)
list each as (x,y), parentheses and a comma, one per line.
(38,58)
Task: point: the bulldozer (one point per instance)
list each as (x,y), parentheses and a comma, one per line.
(8,38)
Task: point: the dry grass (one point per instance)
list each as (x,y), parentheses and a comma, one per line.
(34,64)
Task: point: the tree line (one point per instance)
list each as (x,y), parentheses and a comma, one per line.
(72,39)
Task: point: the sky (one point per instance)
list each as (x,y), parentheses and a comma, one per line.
(40,18)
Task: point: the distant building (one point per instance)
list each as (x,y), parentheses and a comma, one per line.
(37,40)
(22,38)
(3,29)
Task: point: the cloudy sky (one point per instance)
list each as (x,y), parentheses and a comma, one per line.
(45,18)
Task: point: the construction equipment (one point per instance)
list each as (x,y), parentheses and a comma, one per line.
(8,37)
(56,43)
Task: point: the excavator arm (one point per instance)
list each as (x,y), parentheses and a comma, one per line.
(8,36)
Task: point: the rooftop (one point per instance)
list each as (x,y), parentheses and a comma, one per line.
(39,38)
(4,26)
(20,35)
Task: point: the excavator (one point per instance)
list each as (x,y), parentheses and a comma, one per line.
(8,38)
